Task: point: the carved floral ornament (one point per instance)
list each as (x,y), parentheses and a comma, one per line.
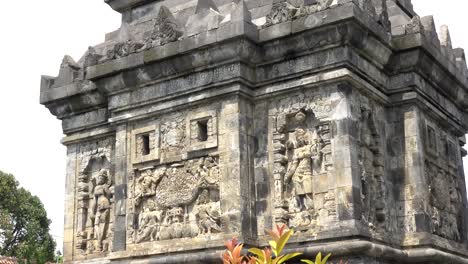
(177,201)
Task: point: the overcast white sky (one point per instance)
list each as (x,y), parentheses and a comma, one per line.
(36,36)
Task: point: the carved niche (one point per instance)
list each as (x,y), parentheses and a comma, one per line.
(175,201)
(442,173)
(145,144)
(95,203)
(202,131)
(302,162)
(372,171)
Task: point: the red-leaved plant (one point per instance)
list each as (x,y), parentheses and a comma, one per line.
(270,255)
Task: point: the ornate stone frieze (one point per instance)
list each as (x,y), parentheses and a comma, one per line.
(176,201)
(95,193)
(283,11)
(123,49)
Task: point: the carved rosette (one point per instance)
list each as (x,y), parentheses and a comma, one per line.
(180,200)
(94,198)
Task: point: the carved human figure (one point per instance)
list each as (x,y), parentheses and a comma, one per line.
(101,206)
(147,184)
(208,172)
(207,215)
(299,173)
(150,223)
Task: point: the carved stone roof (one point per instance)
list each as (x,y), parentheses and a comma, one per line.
(153,31)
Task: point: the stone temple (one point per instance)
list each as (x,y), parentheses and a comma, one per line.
(201,120)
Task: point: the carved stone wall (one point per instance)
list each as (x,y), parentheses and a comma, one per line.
(197,121)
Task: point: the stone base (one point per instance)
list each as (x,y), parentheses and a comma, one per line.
(353,251)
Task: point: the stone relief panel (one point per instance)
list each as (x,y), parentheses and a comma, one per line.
(173,138)
(174,201)
(302,160)
(445,183)
(374,190)
(95,205)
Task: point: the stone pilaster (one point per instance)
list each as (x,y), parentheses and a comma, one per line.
(121,160)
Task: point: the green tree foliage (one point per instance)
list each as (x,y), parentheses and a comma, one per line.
(24,226)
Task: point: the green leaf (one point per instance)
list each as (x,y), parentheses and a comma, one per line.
(318,258)
(288,257)
(324,261)
(307,261)
(283,240)
(259,253)
(273,247)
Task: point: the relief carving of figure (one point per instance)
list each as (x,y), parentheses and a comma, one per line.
(306,160)
(207,214)
(180,202)
(147,184)
(101,206)
(150,223)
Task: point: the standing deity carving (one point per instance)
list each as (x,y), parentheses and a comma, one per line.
(95,193)
(101,207)
(299,158)
(306,158)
